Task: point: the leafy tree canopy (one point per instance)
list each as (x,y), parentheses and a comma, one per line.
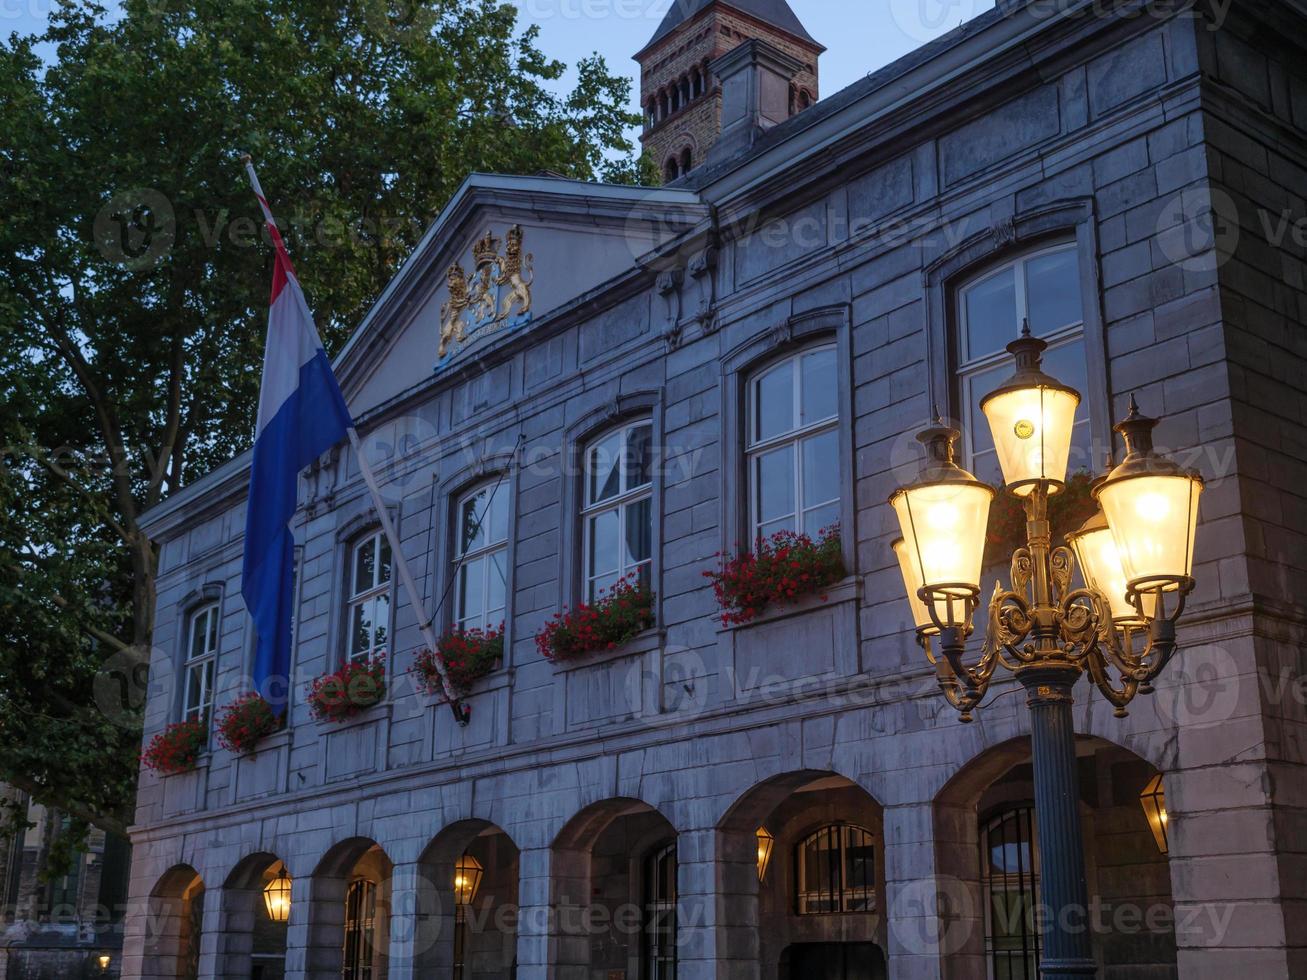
(134,279)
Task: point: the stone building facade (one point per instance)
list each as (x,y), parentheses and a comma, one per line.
(680,94)
(773,329)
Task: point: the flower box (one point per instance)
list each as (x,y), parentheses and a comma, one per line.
(780,568)
(349,691)
(467,656)
(245,722)
(616,617)
(177,748)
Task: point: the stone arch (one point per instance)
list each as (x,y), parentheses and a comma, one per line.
(245,933)
(769,916)
(174,925)
(1125,867)
(354,863)
(489,930)
(599,873)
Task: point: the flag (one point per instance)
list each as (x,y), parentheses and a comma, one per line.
(302,414)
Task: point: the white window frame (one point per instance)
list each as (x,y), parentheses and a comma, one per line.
(359,597)
(969,367)
(756,448)
(487,618)
(621,503)
(203,661)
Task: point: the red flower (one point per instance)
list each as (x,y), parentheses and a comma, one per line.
(779,568)
(177,747)
(613,619)
(245,721)
(466,655)
(349,691)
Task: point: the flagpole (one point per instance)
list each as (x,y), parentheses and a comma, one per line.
(425,624)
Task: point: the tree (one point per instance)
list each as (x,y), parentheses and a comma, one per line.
(134,278)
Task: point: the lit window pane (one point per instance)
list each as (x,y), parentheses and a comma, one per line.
(497,525)
(1053,291)
(365,565)
(605,468)
(639,456)
(639,532)
(775,484)
(211,617)
(383,568)
(497,586)
(380,620)
(992,314)
(774,402)
(471,591)
(197,635)
(472,535)
(820,386)
(604,532)
(821,468)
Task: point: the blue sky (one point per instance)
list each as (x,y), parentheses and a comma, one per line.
(860,35)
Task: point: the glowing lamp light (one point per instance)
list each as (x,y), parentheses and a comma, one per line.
(912,580)
(765,844)
(276,897)
(943,516)
(104,959)
(1153,800)
(1031,416)
(1151,506)
(467,879)
(1100,563)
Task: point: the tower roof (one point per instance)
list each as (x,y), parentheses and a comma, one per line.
(774,12)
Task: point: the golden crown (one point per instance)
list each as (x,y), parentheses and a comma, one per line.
(487,249)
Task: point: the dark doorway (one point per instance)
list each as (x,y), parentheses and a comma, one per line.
(833,961)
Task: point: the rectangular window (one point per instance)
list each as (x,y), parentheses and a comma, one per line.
(369,598)
(201,662)
(793,445)
(1043,288)
(618,512)
(482,558)
(360,929)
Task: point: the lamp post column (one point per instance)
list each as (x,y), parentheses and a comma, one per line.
(1063,891)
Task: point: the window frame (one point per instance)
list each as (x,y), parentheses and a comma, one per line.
(624,499)
(205,660)
(967,366)
(501,483)
(651,903)
(819,325)
(1027,886)
(353,599)
(841,894)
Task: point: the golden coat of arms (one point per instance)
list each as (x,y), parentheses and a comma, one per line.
(498,291)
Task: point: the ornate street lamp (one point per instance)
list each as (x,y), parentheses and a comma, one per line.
(467,879)
(765,844)
(1137,561)
(276,897)
(1153,799)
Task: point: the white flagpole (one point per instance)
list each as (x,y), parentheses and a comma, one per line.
(425,624)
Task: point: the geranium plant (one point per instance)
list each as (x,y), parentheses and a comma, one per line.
(177,748)
(615,617)
(245,722)
(350,691)
(467,655)
(780,568)
(1067,510)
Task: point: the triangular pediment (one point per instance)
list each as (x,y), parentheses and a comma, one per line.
(505,255)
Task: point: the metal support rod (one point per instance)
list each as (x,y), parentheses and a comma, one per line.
(1064,895)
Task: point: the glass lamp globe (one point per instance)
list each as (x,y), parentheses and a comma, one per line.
(467,879)
(943,515)
(276,897)
(1100,564)
(765,844)
(1031,416)
(1153,800)
(910,571)
(1151,506)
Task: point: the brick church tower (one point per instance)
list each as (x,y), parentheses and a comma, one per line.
(681,94)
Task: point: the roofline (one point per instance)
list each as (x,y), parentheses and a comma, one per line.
(808,42)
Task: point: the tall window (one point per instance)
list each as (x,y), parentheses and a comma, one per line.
(201,661)
(660,914)
(360,920)
(483,557)
(1010,885)
(618,514)
(369,598)
(836,871)
(1044,288)
(793,444)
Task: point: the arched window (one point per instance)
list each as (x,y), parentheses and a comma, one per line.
(835,871)
(1009,876)
(617,537)
(685,89)
(1042,287)
(482,557)
(671,170)
(793,444)
(201,662)
(360,923)
(687,161)
(660,913)
(369,598)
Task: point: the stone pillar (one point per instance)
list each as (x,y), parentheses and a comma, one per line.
(433,941)
(408,898)
(227,936)
(922,923)
(717,907)
(551,939)
(317,928)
